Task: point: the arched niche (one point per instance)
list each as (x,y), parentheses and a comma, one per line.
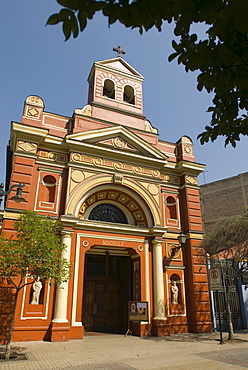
(171,205)
(48,183)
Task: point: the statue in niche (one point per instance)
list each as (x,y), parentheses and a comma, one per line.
(37,286)
(174,291)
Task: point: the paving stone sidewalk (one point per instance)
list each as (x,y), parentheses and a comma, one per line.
(117,352)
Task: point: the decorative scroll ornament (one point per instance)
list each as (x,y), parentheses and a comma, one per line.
(85,111)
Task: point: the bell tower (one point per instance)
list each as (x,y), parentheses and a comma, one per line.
(115,93)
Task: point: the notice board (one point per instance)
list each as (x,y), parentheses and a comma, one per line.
(137,311)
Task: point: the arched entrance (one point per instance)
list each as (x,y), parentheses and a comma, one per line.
(107,290)
(112,268)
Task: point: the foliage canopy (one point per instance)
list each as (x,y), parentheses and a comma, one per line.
(35,251)
(229,239)
(221,58)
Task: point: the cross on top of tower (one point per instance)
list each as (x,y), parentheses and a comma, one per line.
(119,51)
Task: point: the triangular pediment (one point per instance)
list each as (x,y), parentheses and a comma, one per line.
(117,64)
(119,143)
(118,138)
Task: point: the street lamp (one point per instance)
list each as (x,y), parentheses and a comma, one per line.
(182,240)
(17,197)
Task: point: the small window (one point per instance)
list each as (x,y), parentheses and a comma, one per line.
(128,95)
(172,207)
(49,194)
(109,89)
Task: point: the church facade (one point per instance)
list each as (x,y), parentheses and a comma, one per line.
(123,196)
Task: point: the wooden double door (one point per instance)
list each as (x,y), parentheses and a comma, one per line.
(107,289)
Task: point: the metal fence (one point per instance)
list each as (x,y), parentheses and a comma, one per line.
(227,274)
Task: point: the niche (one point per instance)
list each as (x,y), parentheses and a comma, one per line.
(48,187)
(171,205)
(175,290)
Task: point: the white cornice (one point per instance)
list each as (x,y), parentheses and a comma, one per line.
(109,227)
(119,72)
(25,132)
(91,225)
(55,140)
(45,162)
(184,167)
(171,166)
(105,65)
(23,128)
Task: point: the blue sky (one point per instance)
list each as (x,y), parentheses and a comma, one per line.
(35,60)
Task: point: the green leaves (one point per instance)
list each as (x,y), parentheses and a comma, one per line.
(72,4)
(82,20)
(53,19)
(221,58)
(229,238)
(70,24)
(36,251)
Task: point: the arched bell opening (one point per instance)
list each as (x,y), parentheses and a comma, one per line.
(109,89)
(129,94)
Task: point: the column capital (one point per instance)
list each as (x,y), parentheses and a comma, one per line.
(158,231)
(67,232)
(157,241)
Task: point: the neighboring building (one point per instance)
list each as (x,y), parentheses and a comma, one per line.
(221,199)
(123,196)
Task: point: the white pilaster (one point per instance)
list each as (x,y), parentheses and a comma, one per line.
(158,280)
(147,275)
(61,300)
